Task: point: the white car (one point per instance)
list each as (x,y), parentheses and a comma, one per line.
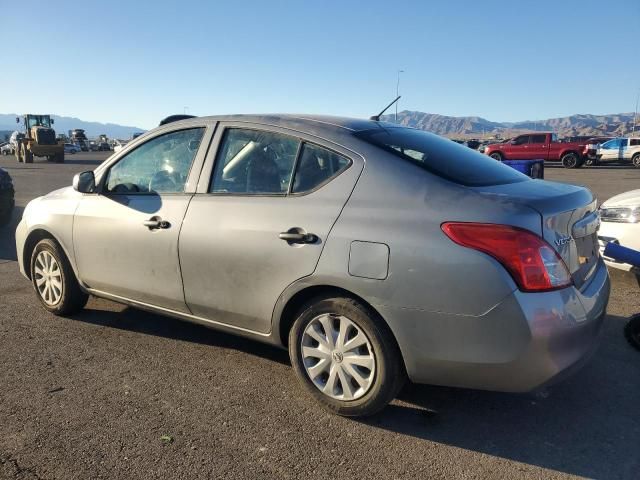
(71,148)
(6,149)
(118,145)
(620,149)
(620,216)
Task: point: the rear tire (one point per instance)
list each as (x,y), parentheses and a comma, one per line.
(54,281)
(635,160)
(496,156)
(570,160)
(632,331)
(353,382)
(27,155)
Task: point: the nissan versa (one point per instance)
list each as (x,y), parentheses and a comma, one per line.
(373,252)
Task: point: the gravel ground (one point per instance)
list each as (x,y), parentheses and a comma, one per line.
(119,393)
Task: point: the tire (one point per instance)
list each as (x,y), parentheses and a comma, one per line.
(496,156)
(635,160)
(18,155)
(591,162)
(570,160)
(379,383)
(632,331)
(48,261)
(27,155)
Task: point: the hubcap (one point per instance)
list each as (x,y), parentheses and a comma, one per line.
(338,357)
(48,278)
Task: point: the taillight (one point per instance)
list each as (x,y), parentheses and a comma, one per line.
(534,265)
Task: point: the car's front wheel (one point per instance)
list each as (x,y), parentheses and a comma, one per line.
(345,356)
(54,280)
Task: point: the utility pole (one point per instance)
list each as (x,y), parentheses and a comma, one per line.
(398,92)
(635,113)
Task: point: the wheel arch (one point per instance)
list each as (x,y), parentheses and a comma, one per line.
(35,236)
(286,317)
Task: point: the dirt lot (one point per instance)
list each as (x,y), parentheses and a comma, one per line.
(93,396)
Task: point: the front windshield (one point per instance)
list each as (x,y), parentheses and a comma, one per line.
(38,121)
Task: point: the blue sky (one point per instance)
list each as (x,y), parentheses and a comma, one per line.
(135,62)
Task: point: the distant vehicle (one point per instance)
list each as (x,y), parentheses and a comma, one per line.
(38,139)
(7,201)
(6,148)
(620,150)
(576,139)
(119,145)
(469,274)
(71,148)
(78,137)
(104,147)
(620,217)
(538,146)
(591,149)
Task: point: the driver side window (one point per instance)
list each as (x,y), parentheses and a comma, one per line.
(160,165)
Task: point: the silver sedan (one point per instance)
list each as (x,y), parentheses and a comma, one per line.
(374,253)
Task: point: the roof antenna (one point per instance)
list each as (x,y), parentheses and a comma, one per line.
(376,118)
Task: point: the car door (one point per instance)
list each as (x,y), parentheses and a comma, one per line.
(610,150)
(125,236)
(538,147)
(261,217)
(519,148)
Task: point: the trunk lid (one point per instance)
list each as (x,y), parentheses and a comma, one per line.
(569,220)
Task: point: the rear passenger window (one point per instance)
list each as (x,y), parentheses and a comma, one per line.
(634,142)
(316,166)
(538,138)
(254,162)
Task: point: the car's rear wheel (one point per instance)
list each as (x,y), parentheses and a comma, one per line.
(496,156)
(54,280)
(345,356)
(635,160)
(570,160)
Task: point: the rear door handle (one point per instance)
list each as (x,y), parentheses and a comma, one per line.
(295,236)
(155,223)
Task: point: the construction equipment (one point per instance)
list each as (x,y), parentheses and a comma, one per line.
(39,140)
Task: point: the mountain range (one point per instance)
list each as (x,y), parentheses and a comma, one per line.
(64,124)
(455,127)
(465,127)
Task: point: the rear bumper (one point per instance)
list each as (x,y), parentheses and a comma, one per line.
(528,340)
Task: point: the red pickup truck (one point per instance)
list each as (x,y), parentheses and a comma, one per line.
(536,146)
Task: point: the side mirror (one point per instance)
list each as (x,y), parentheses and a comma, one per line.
(84,182)
(52,121)
(17,119)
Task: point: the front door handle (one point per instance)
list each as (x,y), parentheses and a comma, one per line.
(156,222)
(296,235)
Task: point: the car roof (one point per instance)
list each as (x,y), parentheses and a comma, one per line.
(301,121)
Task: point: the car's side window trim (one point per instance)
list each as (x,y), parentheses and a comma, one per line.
(194,169)
(217,145)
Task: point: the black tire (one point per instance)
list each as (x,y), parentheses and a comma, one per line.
(496,156)
(571,160)
(632,331)
(635,160)
(27,155)
(388,375)
(591,162)
(72,298)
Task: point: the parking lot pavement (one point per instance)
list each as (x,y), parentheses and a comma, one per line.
(92,396)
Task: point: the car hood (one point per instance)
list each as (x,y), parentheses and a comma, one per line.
(624,199)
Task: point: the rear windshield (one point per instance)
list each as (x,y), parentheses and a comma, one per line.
(441,156)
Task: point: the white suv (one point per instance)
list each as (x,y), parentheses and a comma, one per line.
(620,149)
(620,217)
